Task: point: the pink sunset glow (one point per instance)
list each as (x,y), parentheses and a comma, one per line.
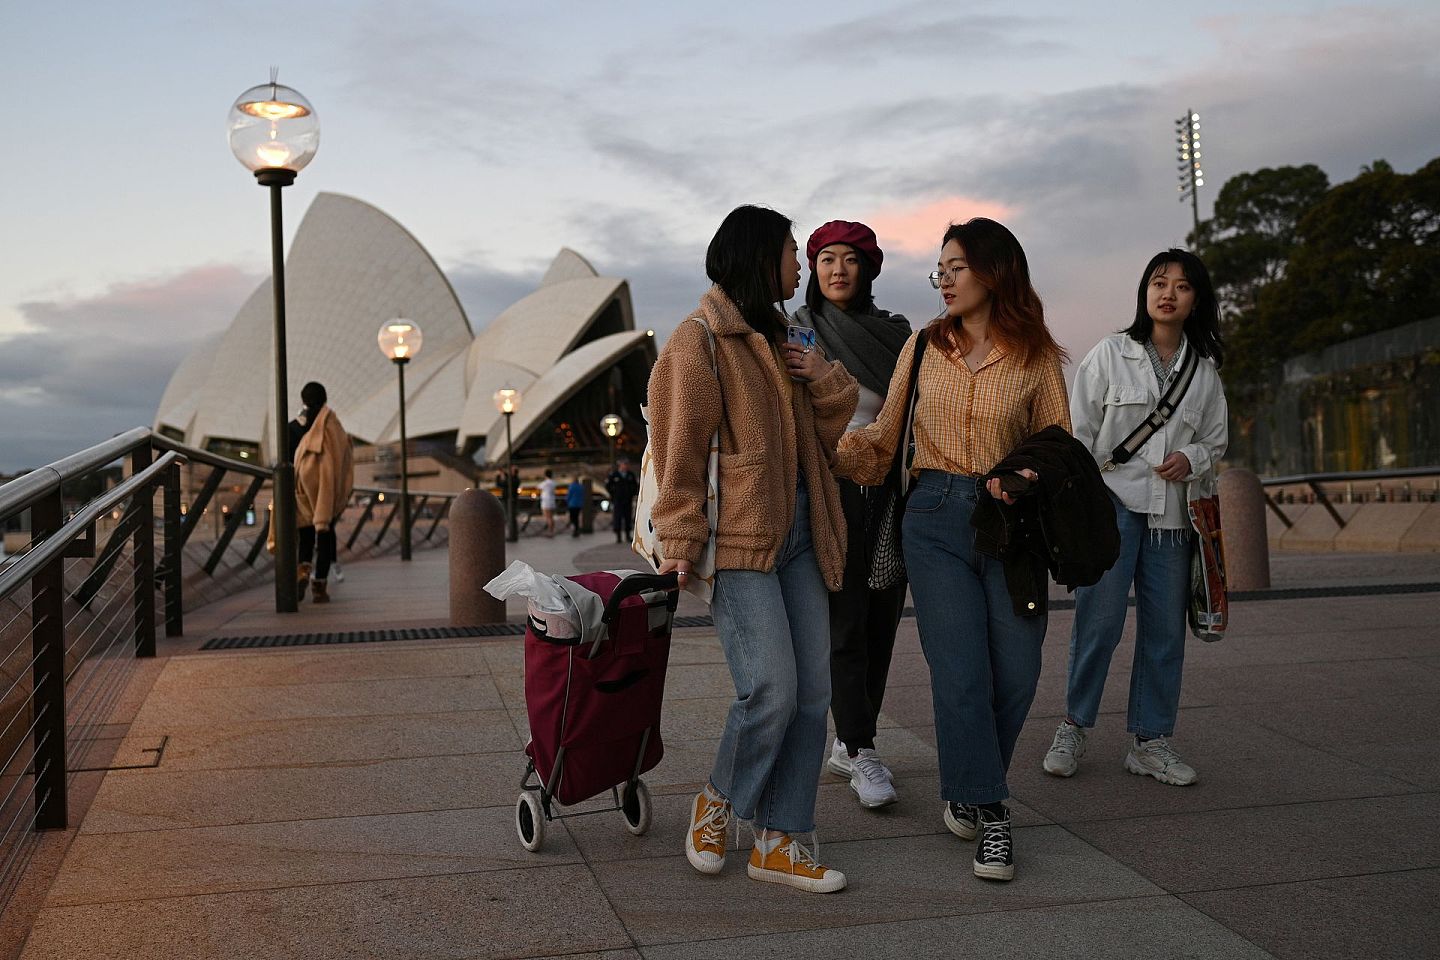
(917,230)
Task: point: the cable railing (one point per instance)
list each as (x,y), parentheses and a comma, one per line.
(79,606)
(1403,485)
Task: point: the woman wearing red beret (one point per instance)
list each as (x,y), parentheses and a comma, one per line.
(845,259)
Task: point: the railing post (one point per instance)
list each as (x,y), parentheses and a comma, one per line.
(174,575)
(144,541)
(47,619)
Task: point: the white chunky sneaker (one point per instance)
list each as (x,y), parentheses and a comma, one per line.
(1155,758)
(1068,747)
(871,781)
(838,762)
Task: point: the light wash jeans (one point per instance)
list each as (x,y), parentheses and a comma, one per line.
(775,628)
(984,659)
(1158,563)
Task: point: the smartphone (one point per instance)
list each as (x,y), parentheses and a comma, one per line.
(801,337)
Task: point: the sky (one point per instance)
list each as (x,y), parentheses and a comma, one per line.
(498,133)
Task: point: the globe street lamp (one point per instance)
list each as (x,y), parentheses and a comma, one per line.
(612,425)
(400,341)
(507,401)
(274,132)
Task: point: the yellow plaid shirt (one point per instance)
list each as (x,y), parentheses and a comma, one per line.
(964,422)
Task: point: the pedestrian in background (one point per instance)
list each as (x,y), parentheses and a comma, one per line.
(989,378)
(575,503)
(547,501)
(779,408)
(324,479)
(1116,387)
(622,486)
(845,258)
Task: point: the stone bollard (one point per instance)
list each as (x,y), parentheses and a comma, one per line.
(1242,519)
(477,555)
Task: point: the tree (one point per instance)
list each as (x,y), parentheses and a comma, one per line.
(1247,245)
(1367,259)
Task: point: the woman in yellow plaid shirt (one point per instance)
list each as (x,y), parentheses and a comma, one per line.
(989,377)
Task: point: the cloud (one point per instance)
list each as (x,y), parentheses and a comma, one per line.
(917,230)
(85,369)
(924,29)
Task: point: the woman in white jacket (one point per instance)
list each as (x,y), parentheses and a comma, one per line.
(1117,386)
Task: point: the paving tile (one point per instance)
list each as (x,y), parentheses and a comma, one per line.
(155,864)
(1301,682)
(895,878)
(155,800)
(340,699)
(1290,842)
(314,740)
(1388,915)
(1240,765)
(480,915)
(1123,930)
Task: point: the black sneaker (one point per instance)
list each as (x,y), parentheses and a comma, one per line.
(961,818)
(995,854)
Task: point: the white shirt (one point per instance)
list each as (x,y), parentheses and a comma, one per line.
(547,493)
(867,411)
(1115,389)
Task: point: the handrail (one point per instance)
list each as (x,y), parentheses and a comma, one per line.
(196,455)
(55,545)
(1403,473)
(22,492)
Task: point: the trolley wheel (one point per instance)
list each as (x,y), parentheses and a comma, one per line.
(635,807)
(529,821)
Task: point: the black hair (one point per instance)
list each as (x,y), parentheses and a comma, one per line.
(1202,327)
(549,473)
(864,299)
(744,261)
(313,395)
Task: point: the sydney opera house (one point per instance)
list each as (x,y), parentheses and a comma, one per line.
(571,348)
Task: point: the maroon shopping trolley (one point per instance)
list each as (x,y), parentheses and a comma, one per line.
(593,690)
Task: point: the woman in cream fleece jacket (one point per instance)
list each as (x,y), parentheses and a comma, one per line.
(780,410)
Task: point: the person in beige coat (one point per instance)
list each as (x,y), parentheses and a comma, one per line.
(324,478)
(779,543)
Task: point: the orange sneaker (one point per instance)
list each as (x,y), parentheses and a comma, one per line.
(705,843)
(792,864)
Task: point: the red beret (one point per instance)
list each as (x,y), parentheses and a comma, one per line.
(856,235)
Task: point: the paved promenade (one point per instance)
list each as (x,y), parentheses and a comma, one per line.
(356,801)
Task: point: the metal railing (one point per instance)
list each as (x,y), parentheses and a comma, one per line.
(1362,486)
(70,635)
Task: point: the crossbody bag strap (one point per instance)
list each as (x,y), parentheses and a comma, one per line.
(904,455)
(1164,410)
(715,369)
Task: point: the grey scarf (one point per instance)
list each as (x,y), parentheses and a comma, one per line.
(868,343)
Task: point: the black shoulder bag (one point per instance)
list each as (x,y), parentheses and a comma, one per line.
(887,560)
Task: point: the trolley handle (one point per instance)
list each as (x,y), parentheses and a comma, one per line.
(637,584)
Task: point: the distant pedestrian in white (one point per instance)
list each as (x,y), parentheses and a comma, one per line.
(547,502)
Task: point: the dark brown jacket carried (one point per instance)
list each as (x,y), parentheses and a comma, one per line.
(764,449)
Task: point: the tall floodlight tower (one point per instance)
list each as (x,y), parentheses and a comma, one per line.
(1192,177)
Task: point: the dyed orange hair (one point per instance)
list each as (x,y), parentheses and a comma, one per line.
(1017,318)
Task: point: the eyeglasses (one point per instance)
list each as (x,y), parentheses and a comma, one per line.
(938,277)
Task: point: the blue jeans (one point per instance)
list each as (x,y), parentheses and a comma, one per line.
(1158,563)
(775,629)
(984,660)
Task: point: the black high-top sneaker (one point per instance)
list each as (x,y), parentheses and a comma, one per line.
(995,854)
(961,819)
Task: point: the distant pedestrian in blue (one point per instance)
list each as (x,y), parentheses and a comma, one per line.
(575,502)
(623,486)
(1117,386)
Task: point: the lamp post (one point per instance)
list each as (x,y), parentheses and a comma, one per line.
(400,341)
(274,133)
(507,401)
(612,425)
(1192,178)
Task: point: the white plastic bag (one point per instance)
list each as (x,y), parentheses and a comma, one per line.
(549,601)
